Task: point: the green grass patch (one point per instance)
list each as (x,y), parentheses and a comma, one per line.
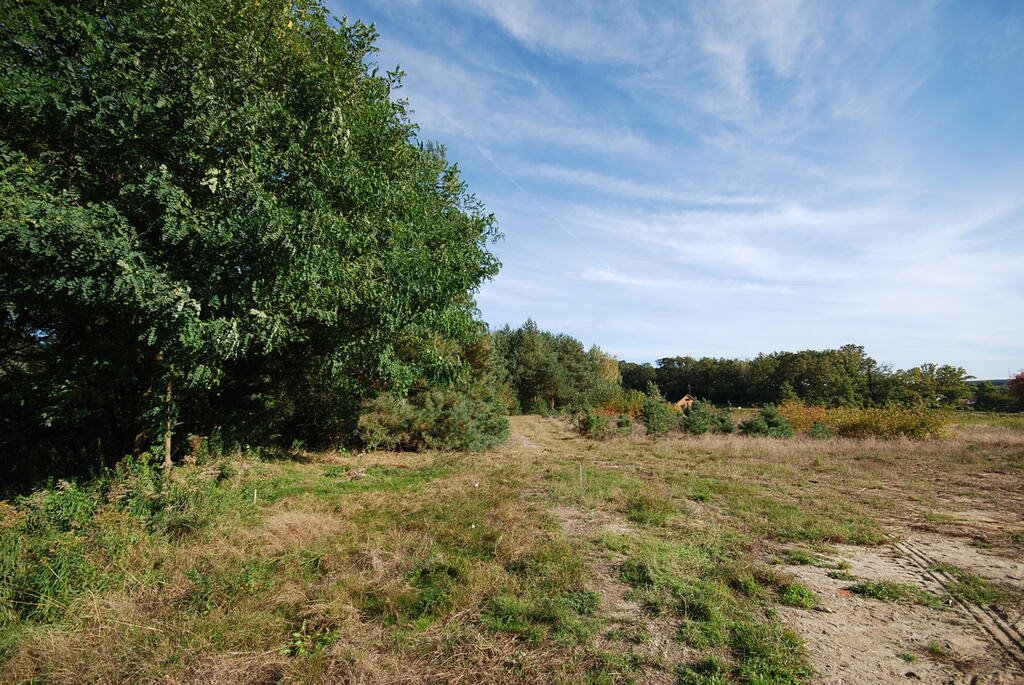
(900,593)
(799,557)
(710,671)
(786,521)
(971,588)
(797,595)
(647,508)
(994,419)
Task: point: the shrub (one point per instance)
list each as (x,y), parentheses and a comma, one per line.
(700,419)
(657,413)
(703,418)
(627,402)
(820,431)
(887,422)
(539,407)
(768,422)
(880,422)
(802,416)
(473,419)
(593,425)
(724,422)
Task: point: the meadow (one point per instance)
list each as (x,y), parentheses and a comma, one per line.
(551,558)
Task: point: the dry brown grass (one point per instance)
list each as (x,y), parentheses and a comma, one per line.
(345,544)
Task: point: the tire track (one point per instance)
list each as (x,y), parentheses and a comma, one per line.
(995,625)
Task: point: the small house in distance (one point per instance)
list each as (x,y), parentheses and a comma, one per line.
(686,401)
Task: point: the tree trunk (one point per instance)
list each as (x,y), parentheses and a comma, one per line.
(169,429)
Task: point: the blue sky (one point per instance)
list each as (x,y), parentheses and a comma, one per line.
(721,178)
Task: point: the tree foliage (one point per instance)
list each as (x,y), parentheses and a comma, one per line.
(844,377)
(1015,389)
(549,372)
(220,202)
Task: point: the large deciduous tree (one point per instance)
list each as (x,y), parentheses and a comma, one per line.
(215,215)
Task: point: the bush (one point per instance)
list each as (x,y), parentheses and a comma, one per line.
(880,422)
(724,422)
(627,402)
(657,413)
(594,426)
(538,407)
(769,422)
(473,419)
(888,422)
(803,416)
(700,419)
(820,431)
(703,418)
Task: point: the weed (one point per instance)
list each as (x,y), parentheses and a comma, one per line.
(308,640)
(638,572)
(583,602)
(799,557)
(768,653)
(841,575)
(907,656)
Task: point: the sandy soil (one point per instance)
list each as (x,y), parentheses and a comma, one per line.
(852,639)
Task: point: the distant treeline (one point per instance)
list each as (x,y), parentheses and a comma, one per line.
(547,372)
(844,377)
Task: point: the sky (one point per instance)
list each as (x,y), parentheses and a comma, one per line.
(727,178)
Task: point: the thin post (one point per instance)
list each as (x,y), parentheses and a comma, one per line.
(169,428)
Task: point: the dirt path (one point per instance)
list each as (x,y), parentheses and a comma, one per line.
(853,639)
(628,628)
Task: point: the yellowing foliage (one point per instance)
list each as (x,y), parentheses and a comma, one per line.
(628,402)
(803,416)
(888,422)
(879,422)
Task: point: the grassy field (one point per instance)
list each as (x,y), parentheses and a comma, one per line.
(549,559)
(969,418)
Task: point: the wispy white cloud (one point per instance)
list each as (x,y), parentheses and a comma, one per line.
(758,174)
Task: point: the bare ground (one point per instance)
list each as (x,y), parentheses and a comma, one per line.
(853,639)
